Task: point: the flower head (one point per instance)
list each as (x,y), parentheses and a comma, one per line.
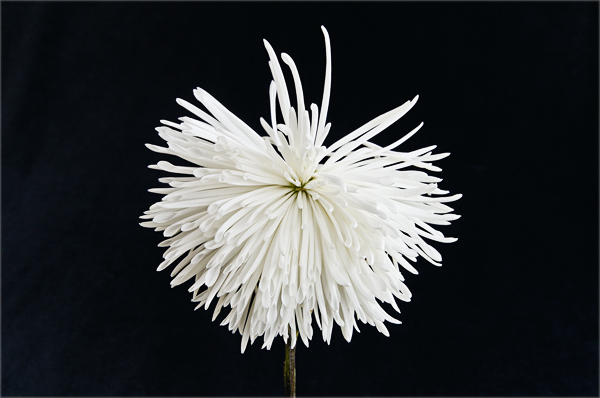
(282,228)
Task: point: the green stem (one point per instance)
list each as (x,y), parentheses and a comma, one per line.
(289,369)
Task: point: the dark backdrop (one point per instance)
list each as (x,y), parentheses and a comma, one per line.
(510,89)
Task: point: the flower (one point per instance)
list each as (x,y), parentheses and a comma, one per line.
(281,228)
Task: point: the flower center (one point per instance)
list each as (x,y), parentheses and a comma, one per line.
(302,186)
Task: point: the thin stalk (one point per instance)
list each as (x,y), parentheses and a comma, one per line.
(289,369)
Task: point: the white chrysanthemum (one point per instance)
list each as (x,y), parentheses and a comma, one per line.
(281,228)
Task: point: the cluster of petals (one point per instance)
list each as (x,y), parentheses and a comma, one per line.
(281,228)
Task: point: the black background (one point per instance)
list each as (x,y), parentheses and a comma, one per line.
(510,89)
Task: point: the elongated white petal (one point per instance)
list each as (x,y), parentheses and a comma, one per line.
(321,134)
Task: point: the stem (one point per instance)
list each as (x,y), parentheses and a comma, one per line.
(289,369)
